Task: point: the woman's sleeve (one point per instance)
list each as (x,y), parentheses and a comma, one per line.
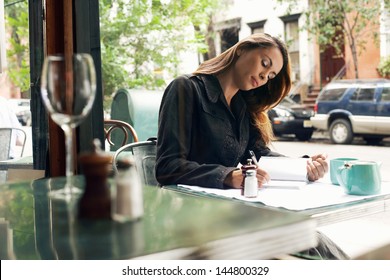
(176,116)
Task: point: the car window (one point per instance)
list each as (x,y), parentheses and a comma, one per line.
(385,94)
(288,102)
(24,103)
(363,94)
(332,94)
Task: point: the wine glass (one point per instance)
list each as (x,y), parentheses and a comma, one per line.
(68,86)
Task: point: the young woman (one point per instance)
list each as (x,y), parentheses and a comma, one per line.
(210,120)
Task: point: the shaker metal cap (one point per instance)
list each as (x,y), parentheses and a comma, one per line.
(124,163)
(250,172)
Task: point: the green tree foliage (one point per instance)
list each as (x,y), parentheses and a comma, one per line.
(141,39)
(350,22)
(18,53)
(384,67)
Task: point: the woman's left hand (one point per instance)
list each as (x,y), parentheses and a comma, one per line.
(317,167)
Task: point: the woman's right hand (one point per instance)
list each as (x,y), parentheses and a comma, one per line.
(262,176)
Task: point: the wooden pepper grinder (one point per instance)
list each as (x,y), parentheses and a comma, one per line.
(96,200)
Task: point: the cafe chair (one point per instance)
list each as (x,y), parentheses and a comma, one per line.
(117,134)
(144,156)
(5,147)
(5,140)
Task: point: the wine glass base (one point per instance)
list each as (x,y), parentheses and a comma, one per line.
(67,193)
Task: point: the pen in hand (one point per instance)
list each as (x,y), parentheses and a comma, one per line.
(253,156)
(264,174)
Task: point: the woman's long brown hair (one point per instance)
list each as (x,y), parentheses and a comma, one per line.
(261,99)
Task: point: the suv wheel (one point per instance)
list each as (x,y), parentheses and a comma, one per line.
(341,132)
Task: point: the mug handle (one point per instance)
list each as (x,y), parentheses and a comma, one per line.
(339,175)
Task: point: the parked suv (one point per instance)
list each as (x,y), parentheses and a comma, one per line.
(349,108)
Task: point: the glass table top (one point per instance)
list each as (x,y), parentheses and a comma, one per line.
(34,226)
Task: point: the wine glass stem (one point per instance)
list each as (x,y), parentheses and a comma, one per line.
(69,131)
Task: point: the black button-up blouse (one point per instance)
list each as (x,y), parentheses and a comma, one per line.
(200,139)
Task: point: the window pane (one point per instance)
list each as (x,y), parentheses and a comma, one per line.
(385,94)
(258,30)
(292,40)
(292,36)
(366,94)
(332,94)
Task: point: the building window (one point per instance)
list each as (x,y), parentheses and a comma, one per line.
(292,40)
(257,27)
(228,31)
(229,37)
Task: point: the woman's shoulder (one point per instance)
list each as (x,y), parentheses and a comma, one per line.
(188,81)
(188,78)
(181,80)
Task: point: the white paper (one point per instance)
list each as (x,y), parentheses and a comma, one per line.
(312,195)
(283,184)
(284,168)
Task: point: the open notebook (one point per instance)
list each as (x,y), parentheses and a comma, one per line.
(285,172)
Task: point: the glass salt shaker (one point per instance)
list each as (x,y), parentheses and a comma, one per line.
(248,166)
(250,185)
(128,198)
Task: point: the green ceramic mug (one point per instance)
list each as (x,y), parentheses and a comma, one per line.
(335,164)
(360,177)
